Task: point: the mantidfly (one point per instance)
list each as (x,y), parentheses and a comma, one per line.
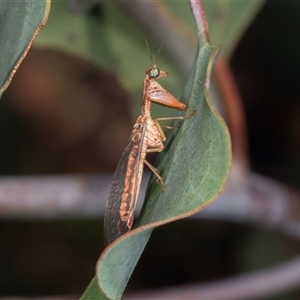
(147,136)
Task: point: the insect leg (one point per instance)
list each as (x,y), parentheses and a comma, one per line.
(156,172)
(156,121)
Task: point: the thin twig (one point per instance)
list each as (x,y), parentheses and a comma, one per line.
(200,19)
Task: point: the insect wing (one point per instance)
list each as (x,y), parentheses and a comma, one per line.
(124,191)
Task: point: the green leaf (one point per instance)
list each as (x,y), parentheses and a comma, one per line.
(229,20)
(92,292)
(194,164)
(20,22)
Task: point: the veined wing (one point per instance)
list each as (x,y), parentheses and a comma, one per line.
(125,188)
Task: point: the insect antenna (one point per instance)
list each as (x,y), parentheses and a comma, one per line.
(158,52)
(149,51)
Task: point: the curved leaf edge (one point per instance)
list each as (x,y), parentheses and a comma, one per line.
(135,244)
(92,292)
(23,55)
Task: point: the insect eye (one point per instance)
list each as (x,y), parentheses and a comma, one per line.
(154,72)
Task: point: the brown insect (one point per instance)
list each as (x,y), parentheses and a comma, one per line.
(147,136)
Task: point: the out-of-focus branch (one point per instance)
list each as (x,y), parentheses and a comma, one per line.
(53,197)
(254,199)
(260,201)
(234,112)
(258,284)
